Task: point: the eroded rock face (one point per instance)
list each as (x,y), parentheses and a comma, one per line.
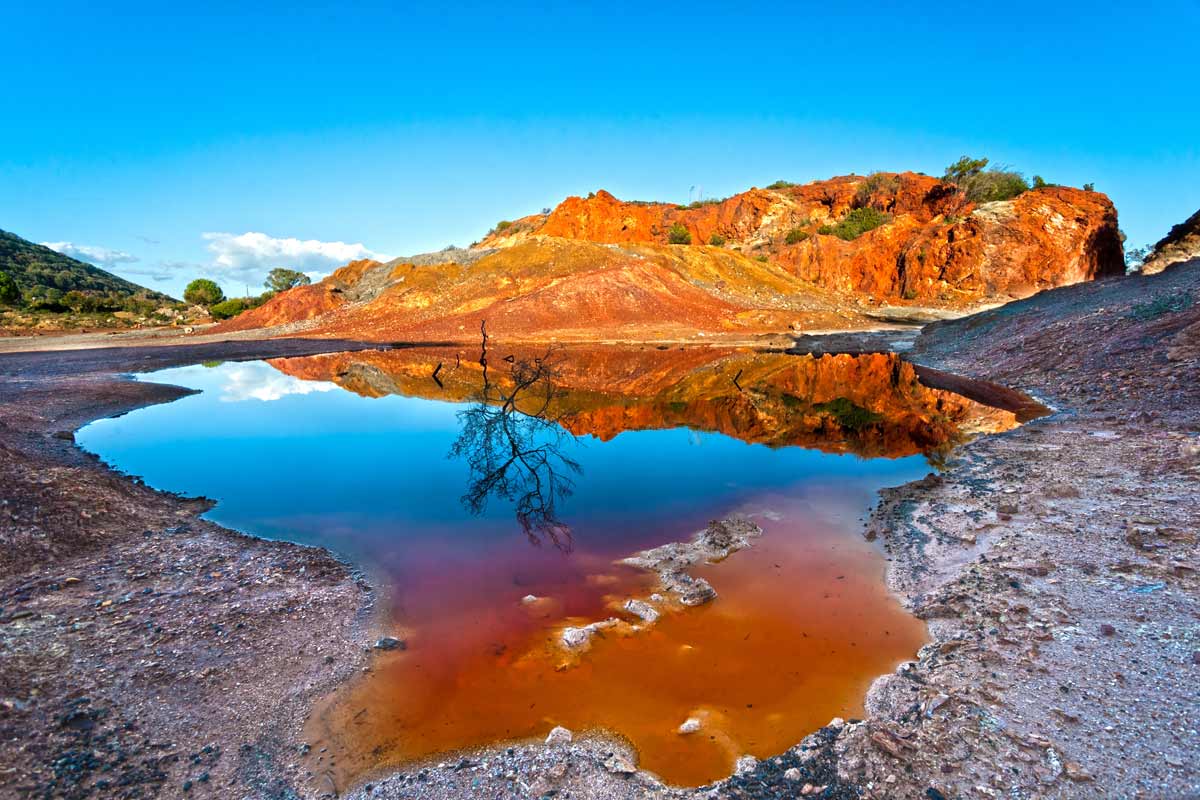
(603,268)
(937,246)
(1182,243)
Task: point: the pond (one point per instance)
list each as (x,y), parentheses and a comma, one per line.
(494,507)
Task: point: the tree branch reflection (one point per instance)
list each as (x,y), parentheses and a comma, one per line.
(513,447)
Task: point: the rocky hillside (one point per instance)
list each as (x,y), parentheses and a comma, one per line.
(1182,243)
(824,255)
(42,272)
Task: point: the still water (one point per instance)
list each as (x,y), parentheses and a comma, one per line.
(493,508)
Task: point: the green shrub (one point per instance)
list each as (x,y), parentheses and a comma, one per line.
(777,185)
(761,258)
(1163,304)
(856,223)
(228,308)
(984,185)
(848,415)
(1039,182)
(876,182)
(10,293)
(796,235)
(1089,187)
(679,234)
(716,240)
(503,225)
(203,292)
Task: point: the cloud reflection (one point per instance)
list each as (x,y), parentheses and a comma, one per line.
(258,381)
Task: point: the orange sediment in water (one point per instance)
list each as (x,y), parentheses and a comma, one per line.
(802,624)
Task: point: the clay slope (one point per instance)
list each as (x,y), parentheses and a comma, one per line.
(765,260)
(873,405)
(553,288)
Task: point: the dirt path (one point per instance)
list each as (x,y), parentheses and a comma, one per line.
(153,651)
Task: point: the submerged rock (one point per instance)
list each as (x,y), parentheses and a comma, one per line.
(671,562)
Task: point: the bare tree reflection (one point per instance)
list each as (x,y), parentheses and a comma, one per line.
(513,447)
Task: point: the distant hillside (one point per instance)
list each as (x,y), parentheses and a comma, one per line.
(43,273)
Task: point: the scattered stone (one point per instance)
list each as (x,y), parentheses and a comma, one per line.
(890,743)
(390,643)
(671,562)
(690,725)
(745,765)
(559,736)
(642,610)
(619,765)
(1107,630)
(575,637)
(793,774)
(1076,772)
(693,591)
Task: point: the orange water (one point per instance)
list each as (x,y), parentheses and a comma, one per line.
(802,624)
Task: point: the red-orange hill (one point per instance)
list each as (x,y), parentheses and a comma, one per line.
(599,267)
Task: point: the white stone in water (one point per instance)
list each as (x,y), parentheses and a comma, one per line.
(559,736)
(642,610)
(690,725)
(530,598)
(575,637)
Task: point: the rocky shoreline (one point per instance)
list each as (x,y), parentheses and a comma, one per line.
(151,653)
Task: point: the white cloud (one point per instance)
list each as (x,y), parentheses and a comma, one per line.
(258,381)
(250,256)
(100,256)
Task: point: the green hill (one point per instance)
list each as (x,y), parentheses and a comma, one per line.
(45,277)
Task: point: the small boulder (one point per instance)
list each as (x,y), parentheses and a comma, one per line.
(559,736)
(390,643)
(690,725)
(619,764)
(745,765)
(642,610)
(575,637)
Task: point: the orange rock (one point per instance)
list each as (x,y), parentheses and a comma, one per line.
(602,268)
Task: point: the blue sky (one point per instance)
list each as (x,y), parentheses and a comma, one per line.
(138,129)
